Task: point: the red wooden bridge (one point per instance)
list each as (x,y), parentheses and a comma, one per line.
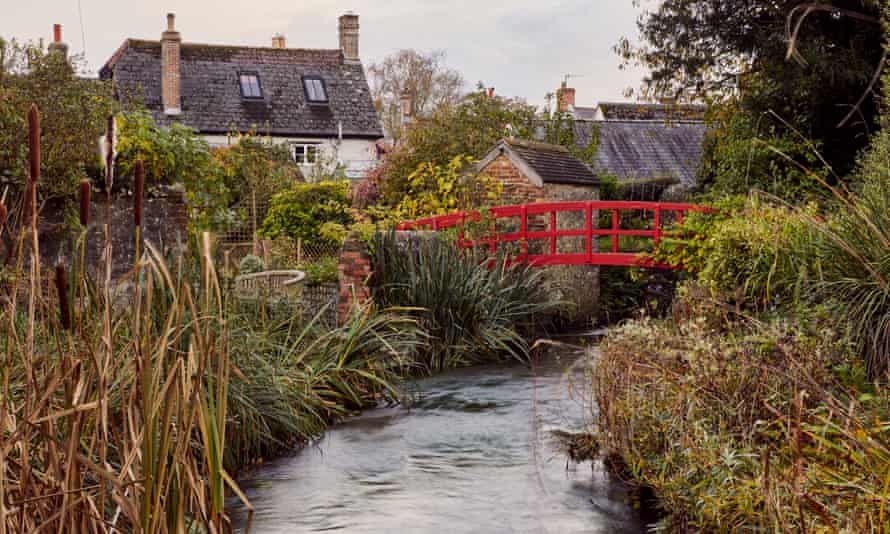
(543,223)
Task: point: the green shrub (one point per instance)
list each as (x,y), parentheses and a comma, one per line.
(251,264)
(73,112)
(472,309)
(760,253)
(745,425)
(323,271)
(300,212)
(256,166)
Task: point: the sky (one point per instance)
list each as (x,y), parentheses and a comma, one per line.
(522,48)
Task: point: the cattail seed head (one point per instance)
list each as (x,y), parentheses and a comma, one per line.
(62,290)
(85,190)
(110,152)
(34,142)
(4,213)
(138,192)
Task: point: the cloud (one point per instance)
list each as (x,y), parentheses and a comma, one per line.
(523,48)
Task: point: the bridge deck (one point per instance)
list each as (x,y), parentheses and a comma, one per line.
(540,224)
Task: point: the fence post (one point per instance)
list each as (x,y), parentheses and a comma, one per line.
(615,225)
(299,251)
(523,232)
(657,224)
(552,233)
(588,231)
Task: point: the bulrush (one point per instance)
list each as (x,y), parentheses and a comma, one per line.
(4,213)
(34,141)
(62,290)
(85,190)
(34,162)
(138,192)
(110,153)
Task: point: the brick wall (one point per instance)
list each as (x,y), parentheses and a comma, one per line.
(354,265)
(517,188)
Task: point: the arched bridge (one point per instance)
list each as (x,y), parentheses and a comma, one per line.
(537,233)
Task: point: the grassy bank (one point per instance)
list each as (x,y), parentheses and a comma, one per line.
(761,404)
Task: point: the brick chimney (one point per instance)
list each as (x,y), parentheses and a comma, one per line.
(57,45)
(171,85)
(565,98)
(278,41)
(349,37)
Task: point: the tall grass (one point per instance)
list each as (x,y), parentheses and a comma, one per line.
(472,308)
(127,410)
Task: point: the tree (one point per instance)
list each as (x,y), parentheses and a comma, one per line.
(740,49)
(470,128)
(73,112)
(423,77)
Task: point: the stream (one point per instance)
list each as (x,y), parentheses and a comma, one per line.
(473,453)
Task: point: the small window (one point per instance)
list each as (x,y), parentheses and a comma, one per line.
(250,85)
(305,154)
(315,90)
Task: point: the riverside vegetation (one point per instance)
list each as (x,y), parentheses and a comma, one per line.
(761,403)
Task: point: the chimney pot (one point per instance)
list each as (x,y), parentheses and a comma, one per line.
(57,45)
(171,92)
(349,37)
(278,41)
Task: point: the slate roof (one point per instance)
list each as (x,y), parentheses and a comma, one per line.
(211,97)
(658,112)
(552,163)
(646,150)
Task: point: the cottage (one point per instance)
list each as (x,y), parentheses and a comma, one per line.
(535,172)
(317,101)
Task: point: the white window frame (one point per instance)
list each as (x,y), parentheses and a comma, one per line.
(310,153)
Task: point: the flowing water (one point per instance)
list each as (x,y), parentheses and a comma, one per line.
(473,453)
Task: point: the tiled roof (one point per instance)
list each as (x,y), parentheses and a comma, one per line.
(211,97)
(657,112)
(552,163)
(645,150)
(584,113)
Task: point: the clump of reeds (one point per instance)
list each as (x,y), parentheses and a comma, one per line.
(99,428)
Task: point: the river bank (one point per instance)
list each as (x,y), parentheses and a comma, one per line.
(472,451)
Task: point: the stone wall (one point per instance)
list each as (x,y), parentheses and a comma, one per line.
(577,284)
(164,224)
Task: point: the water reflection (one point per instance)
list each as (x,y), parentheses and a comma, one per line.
(472,454)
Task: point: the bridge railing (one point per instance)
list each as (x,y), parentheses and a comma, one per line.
(539,222)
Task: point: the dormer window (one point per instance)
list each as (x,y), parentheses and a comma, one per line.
(250,86)
(316,92)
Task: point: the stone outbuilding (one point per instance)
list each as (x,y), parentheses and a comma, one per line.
(538,172)
(532,172)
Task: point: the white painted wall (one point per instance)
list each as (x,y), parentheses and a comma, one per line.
(357,155)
